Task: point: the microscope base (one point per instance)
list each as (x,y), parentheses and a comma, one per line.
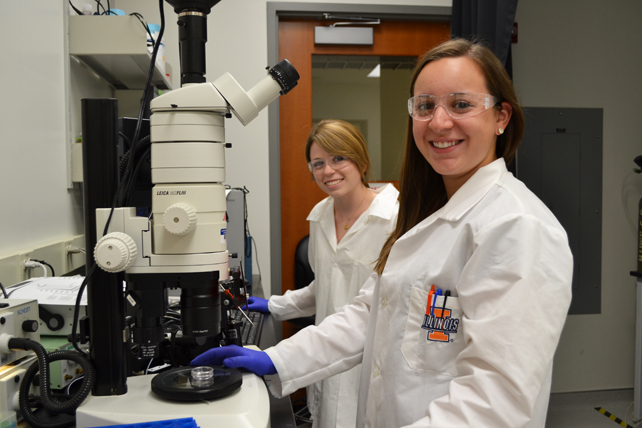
(247,407)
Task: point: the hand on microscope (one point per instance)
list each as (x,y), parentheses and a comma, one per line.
(257,304)
(234,356)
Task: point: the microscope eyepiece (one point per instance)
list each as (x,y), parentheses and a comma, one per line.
(286,75)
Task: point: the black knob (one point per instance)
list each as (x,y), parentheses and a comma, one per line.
(285,75)
(53,321)
(56,322)
(30,326)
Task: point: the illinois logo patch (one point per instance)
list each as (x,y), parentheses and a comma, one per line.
(440,325)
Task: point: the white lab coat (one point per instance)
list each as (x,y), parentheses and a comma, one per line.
(506,261)
(340,271)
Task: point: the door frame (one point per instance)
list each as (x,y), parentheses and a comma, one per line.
(276,10)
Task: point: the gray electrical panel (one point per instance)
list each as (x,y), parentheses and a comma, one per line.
(560,160)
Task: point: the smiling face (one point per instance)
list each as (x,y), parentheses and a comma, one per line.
(335,183)
(457,148)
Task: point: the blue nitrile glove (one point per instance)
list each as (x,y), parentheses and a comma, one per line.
(234,356)
(257,304)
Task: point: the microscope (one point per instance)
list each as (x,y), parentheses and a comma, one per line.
(180,245)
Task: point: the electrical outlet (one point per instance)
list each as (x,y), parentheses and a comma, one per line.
(54,254)
(57,254)
(26,273)
(74,257)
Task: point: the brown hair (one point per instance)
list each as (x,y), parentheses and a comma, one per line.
(422,190)
(340,138)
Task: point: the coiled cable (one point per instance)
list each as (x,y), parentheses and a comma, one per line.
(42,366)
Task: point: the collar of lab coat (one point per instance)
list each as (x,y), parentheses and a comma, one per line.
(473,190)
(467,196)
(383,205)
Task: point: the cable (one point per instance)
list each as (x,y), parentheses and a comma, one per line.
(256,251)
(247,228)
(123,185)
(124,137)
(74,326)
(74,8)
(98,3)
(142,21)
(149,365)
(120,191)
(46,264)
(32,264)
(17,286)
(132,182)
(42,365)
(4,291)
(145,143)
(72,249)
(124,161)
(636,422)
(146,95)
(72,382)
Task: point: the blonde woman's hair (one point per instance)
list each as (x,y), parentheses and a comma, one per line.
(340,138)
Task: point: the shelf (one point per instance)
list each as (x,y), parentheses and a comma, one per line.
(115,47)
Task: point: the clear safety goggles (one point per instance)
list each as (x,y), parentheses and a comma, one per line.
(459,105)
(337,163)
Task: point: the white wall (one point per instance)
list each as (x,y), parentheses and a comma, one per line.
(576,53)
(36,206)
(42,91)
(587,53)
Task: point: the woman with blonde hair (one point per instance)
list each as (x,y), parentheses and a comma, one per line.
(347,231)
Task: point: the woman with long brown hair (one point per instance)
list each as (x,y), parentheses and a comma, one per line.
(460,322)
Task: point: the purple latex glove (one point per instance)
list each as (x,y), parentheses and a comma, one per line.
(257,304)
(234,356)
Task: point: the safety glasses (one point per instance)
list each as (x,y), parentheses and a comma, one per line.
(458,105)
(337,163)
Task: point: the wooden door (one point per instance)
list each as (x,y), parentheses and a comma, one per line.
(299,193)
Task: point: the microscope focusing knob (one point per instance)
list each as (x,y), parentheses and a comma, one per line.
(179,218)
(115,252)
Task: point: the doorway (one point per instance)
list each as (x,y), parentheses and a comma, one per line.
(397,36)
(369,92)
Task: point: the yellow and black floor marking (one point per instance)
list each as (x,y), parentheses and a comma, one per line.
(613,417)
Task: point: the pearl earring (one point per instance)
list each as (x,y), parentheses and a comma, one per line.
(501,131)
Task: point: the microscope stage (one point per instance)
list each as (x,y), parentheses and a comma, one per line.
(248,407)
